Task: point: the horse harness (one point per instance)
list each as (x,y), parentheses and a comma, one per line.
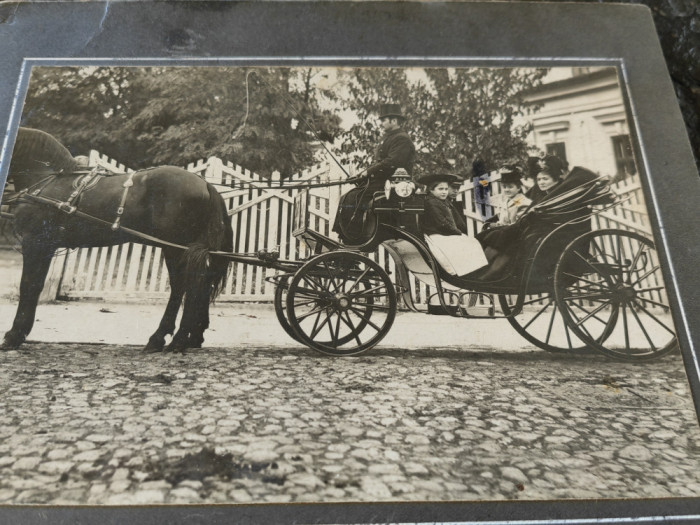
(83,182)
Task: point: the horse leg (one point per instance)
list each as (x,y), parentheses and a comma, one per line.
(36,260)
(201,313)
(181,339)
(177,289)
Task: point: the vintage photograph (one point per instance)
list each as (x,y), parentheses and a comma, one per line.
(229,284)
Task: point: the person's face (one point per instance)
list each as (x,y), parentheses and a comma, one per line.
(510,190)
(453,191)
(545,181)
(389,124)
(440,190)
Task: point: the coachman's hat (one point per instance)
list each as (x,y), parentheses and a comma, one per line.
(510,175)
(439,177)
(390,111)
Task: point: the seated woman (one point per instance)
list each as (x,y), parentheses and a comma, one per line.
(510,205)
(446,232)
(503,244)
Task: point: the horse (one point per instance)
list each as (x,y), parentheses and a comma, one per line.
(173,208)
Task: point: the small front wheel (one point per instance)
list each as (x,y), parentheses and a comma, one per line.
(341,303)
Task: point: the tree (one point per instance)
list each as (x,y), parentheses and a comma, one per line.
(177,115)
(454,115)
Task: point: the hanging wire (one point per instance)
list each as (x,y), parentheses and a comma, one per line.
(241,128)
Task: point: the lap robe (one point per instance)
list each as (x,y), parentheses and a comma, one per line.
(457,254)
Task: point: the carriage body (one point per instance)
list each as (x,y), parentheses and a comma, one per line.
(569,288)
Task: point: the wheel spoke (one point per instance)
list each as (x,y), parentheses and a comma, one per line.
(636,257)
(551,324)
(589,297)
(359,313)
(581,326)
(538,314)
(626,328)
(536,300)
(337,327)
(650,289)
(592,283)
(646,274)
(655,319)
(304,303)
(309,314)
(331,278)
(592,314)
(354,330)
(595,269)
(318,329)
(369,291)
(373,306)
(568,335)
(316,290)
(655,303)
(644,331)
(312,281)
(334,336)
(357,281)
(318,318)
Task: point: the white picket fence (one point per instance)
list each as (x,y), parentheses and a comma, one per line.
(261,217)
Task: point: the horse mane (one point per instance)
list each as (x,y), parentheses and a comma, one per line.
(37,150)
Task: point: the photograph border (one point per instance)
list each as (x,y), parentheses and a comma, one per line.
(661,148)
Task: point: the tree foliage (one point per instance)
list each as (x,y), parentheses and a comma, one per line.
(170,115)
(453,115)
(277,119)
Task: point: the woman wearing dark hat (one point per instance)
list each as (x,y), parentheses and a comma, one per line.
(510,205)
(457,253)
(549,176)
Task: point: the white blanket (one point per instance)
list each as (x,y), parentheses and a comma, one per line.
(457,254)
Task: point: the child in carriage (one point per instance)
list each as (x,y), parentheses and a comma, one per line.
(510,205)
(445,232)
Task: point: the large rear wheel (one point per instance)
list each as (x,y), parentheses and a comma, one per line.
(542,324)
(614,277)
(341,303)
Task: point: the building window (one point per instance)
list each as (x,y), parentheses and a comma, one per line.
(624,158)
(558,149)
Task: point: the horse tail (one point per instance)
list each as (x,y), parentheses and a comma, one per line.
(201,268)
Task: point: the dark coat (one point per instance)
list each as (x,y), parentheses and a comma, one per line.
(395,151)
(438,218)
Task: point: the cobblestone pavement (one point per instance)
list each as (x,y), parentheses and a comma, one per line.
(107,424)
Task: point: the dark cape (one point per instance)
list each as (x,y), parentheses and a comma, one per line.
(354,220)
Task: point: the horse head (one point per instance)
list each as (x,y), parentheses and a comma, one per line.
(38,153)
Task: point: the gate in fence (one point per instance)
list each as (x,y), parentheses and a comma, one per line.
(261,217)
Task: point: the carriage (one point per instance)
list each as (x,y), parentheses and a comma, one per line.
(568,287)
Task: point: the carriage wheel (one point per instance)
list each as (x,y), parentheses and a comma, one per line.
(281,311)
(542,324)
(341,303)
(281,305)
(614,277)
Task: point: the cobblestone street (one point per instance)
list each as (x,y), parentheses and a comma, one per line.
(107,424)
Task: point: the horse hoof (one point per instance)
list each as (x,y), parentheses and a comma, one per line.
(153,346)
(177,347)
(11,342)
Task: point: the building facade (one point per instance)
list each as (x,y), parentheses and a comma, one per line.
(581,118)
